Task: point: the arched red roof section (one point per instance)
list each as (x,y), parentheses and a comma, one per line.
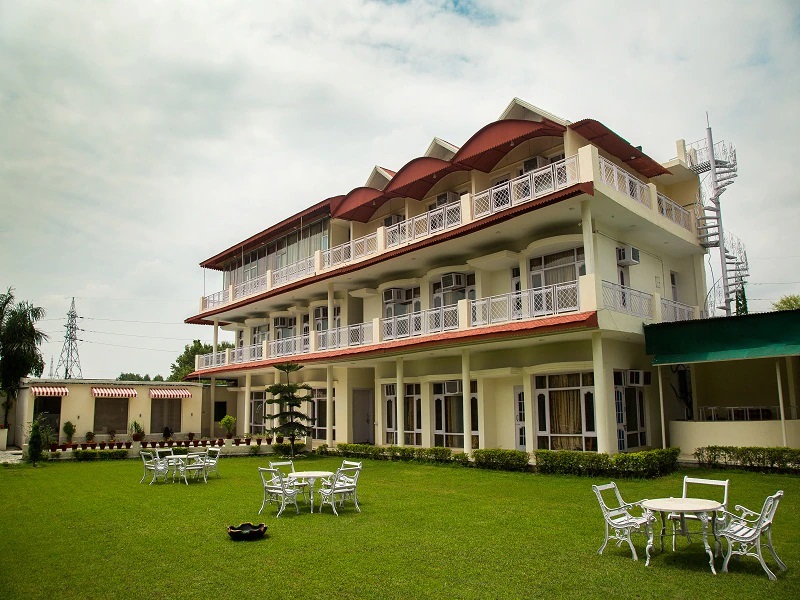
(491,143)
(418,176)
(358,204)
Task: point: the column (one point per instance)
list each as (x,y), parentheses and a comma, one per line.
(588,237)
(661,405)
(380,407)
(780,399)
(211,412)
(400,403)
(466,404)
(329,406)
(331,320)
(530,404)
(605,411)
(248,382)
(216,338)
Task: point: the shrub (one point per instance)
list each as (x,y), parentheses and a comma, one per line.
(754,458)
(69,430)
(503,460)
(85,455)
(35,442)
(322,450)
(647,463)
(433,455)
(285,448)
(461,458)
(228,423)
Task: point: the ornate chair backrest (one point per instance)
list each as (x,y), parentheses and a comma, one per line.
(609,512)
(350,463)
(768,511)
(346,477)
(281,464)
(213,454)
(272,478)
(695,481)
(147,458)
(164,452)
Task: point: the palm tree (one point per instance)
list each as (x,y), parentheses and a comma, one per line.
(19,346)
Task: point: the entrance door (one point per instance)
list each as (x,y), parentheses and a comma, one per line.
(363,411)
(519,417)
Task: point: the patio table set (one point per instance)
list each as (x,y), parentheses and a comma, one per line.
(743,532)
(282,485)
(163,462)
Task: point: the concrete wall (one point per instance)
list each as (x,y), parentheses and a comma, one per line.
(690,435)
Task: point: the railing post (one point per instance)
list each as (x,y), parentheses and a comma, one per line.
(588,164)
(264,349)
(588,299)
(463,314)
(377,330)
(466,209)
(653,198)
(681,147)
(657,312)
(196,362)
(317,261)
(380,240)
(202,303)
(312,340)
(227,356)
(230,293)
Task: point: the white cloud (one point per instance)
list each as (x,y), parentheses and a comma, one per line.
(140,138)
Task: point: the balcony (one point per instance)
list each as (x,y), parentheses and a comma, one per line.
(344,337)
(623,299)
(672,311)
(350,251)
(426,322)
(528,304)
(424,225)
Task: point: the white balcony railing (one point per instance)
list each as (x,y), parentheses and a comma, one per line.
(350,251)
(345,337)
(627,300)
(530,186)
(428,223)
(672,311)
(674,212)
(288,346)
(253,286)
(538,302)
(245,354)
(216,299)
(434,320)
(211,359)
(299,270)
(624,182)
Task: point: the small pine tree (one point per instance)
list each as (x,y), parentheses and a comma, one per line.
(35,442)
(741,301)
(285,396)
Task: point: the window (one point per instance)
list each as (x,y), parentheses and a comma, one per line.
(258,409)
(390,393)
(49,409)
(111,414)
(559,267)
(673,282)
(630,412)
(164,412)
(565,412)
(448,408)
(220,410)
(318,402)
(412,419)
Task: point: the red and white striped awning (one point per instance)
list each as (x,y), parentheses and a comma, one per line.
(170,392)
(113,392)
(49,390)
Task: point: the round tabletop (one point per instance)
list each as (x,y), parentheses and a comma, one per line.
(312,474)
(681,505)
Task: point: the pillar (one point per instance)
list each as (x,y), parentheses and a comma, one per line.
(605,411)
(248,384)
(329,406)
(465,399)
(400,403)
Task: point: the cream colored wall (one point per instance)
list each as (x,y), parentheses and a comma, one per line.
(690,435)
(499,401)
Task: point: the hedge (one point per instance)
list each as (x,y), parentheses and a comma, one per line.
(644,464)
(504,460)
(756,458)
(86,455)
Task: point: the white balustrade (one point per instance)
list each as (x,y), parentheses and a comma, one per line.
(674,212)
(345,337)
(217,299)
(621,298)
(434,320)
(293,272)
(288,346)
(624,182)
(350,251)
(672,311)
(253,286)
(527,304)
(210,360)
(428,223)
(531,185)
(244,354)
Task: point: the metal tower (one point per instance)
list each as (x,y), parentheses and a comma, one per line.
(719,161)
(69,352)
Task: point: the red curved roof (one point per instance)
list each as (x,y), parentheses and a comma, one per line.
(359,205)
(491,143)
(418,176)
(602,137)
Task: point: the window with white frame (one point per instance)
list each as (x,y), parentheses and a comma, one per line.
(111,414)
(452,287)
(565,413)
(448,414)
(631,413)
(390,429)
(318,411)
(560,267)
(164,412)
(412,417)
(260,334)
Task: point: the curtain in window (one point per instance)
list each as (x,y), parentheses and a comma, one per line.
(454,417)
(565,412)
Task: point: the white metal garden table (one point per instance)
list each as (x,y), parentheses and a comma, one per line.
(311,477)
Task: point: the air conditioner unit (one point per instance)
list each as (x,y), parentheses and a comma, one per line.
(627,256)
(452,387)
(634,378)
(452,281)
(537,162)
(392,295)
(282,322)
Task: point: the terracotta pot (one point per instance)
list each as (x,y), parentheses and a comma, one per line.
(85,445)
(220,442)
(203,443)
(237,441)
(102,445)
(162,444)
(63,447)
(53,447)
(128,444)
(258,441)
(269,441)
(93,445)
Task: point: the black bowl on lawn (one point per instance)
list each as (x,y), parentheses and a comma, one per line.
(247,531)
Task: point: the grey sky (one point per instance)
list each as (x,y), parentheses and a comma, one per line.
(138,138)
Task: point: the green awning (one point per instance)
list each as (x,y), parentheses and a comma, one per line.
(763,335)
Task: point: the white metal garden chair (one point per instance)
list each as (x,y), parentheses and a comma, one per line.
(211,460)
(745,531)
(343,485)
(287,468)
(277,489)
(326,482)
(620,523)
(679,519)
(194,465)
(153,464)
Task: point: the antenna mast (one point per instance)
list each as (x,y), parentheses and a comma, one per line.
(69,359)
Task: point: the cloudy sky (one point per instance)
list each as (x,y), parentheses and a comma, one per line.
(139,138)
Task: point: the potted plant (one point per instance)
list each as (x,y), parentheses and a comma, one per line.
(279,439)
(103,445)
(90,440)
(69,431)
(137,431)
(228,423)
(259,439)
(269,439)
(237,441)
(247,438)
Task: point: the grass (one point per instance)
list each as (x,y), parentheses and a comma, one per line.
(90,530)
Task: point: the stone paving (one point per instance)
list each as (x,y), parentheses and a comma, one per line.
(10,456)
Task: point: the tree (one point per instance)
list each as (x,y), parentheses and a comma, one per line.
(19,346)
(788,302)
(741,301)
(285,396)
(35,443)
(184,364)
(135,377)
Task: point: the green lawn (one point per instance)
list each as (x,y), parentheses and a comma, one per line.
(90,530)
